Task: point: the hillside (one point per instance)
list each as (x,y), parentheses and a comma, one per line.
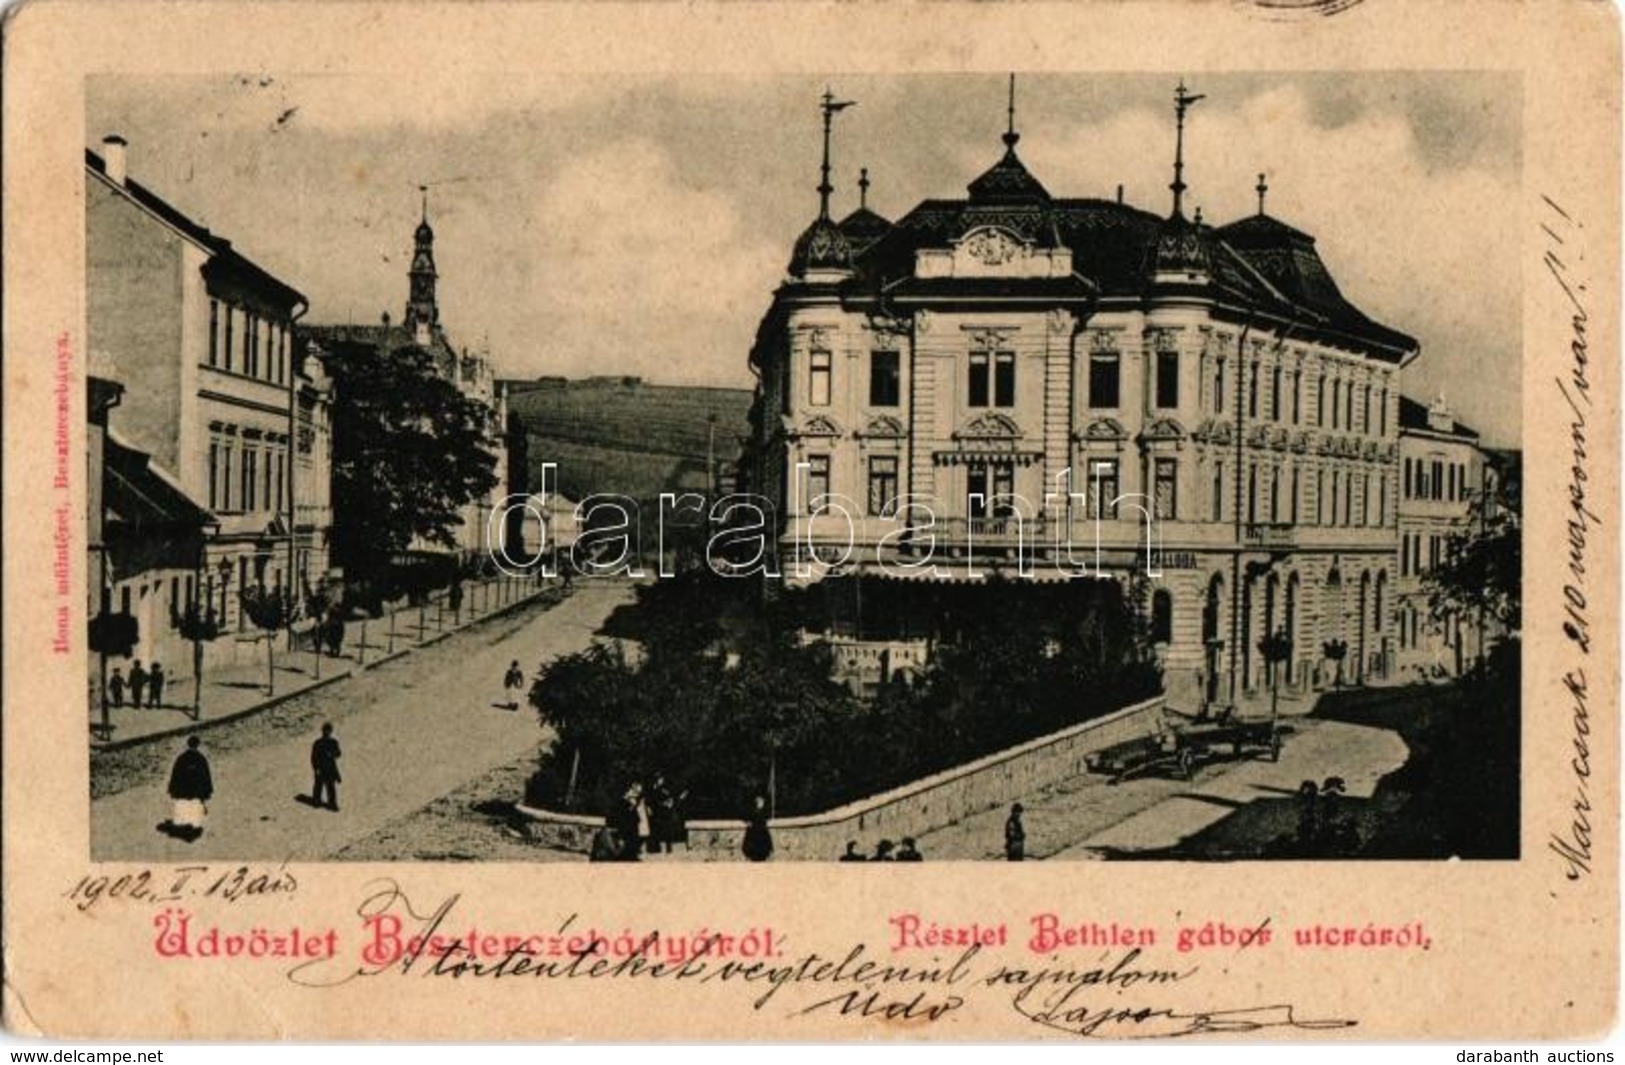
(618,434)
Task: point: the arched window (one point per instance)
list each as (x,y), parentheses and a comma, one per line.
(1162,616)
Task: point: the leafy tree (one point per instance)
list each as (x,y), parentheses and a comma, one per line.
(1481,572)
(271,611)
(409,452)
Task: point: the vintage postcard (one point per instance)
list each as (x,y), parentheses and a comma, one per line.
(508,505)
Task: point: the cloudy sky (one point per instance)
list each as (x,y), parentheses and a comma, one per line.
(638,224)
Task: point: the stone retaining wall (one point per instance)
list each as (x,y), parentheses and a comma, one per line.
(912,810)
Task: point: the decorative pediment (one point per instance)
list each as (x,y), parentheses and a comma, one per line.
(989,426)
(991,246)
(1213,431)
(820,425)
(884,427)
(1161,340)
(1103,431)
(1258,436)
(1103,341)
(1302,441)
(1163,429)
(1371,450)
(1279,439)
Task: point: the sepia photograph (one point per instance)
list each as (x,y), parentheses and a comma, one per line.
(860,468)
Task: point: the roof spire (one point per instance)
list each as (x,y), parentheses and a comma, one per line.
(1262,187)
(1182,102)
(863,188)
(424,191)
(830,106)
(1010,134)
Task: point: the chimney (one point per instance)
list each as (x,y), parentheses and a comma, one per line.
(1119,194)
(115,165)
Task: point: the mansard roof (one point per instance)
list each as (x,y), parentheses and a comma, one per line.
(1257,263)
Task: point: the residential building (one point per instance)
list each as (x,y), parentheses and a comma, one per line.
(1445,478)
(201,337)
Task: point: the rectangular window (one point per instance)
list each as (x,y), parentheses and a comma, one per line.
(1167,379)
(1252,390)
(1406,484)
(885,382)
(1294,495)
(247,361)
(213,475)
(214,332)
(1004,379)
(1105,380)
(1297,394)
(227,450)
(1337,485)
(268,500)
(1275,496)
(1382,501)
(1320,402)
(818,384)
(1252,493)
(1275,394)
(882,485)
(1103,486)
(1348,407)
(1365,409)
(1320,497)
(1218,492)
(226,350)
(1165,483)
(978,382)
(1382,413)
(817,478)
(1337,393)
(1218,388)
(988,489)
(1348,500)
(250,470)
(1438,480)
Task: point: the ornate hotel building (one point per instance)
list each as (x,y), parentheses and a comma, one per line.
(1041,371)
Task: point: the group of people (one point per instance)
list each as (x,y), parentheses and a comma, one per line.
(885,851)
(644,820)
(143,684)
(191,784)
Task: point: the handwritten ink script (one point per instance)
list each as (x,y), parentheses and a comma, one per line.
(1563,259)
(1072,985)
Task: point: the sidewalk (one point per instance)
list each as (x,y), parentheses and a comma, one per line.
(229,694)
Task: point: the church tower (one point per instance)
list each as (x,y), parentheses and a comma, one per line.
(421,310)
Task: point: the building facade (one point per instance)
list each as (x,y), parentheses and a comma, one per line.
(1445,479)
(201,337)
(1019,384)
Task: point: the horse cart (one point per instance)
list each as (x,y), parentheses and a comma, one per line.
(1179,747)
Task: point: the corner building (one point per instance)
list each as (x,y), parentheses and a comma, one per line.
(1209,383)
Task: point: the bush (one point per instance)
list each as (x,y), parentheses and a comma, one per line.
(728,695)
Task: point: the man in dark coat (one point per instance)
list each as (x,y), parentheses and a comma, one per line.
(138,684)
(115,689)
(190,785)
(155,685)
(1015,836)
(324,762)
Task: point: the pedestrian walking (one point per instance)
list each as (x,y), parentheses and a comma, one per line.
(852,854)
(758,842)
(324,763)
(115,688)
(155,686)
(191,787)
(883,851)
(512,681)
(1015,836)
(908,852)
(138,684)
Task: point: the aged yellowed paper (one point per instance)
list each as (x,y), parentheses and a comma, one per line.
(509,504)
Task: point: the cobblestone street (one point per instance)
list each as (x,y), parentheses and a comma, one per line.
(412,731)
